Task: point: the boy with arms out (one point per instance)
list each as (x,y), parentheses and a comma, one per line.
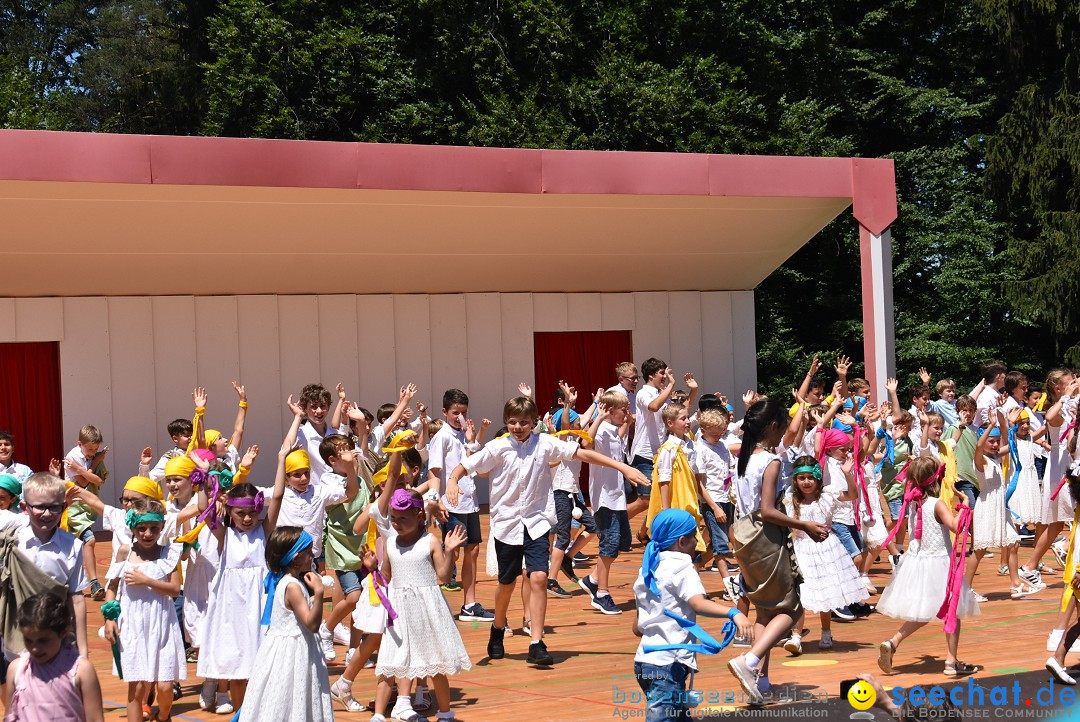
(84,466)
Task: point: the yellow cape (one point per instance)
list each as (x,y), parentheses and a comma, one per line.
(684,490)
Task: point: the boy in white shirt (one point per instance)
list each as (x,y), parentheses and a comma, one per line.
(8,465)
(315,402)
(608,499)
(54,551)
(715,462)
(84,466)
(446,450)
(523,511)
(180,431)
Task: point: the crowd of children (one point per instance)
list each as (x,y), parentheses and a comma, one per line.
(215,562)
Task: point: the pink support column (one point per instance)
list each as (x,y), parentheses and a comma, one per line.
(879,341)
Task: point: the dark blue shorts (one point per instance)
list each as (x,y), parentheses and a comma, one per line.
(613,526)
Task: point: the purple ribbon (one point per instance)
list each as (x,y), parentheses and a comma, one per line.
(208,514)
(198,477)
(380,582)
(255,502)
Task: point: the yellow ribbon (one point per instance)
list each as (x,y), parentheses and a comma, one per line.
(190,537)
(1041,406)
(574,432)
(1070,570)
(372,538)
(401,442)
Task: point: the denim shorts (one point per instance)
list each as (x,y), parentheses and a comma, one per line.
(565,501)
(349,580)
(645,466)
(665,690)
(970,491)
(718,537)
(613,526)
(894,508)
(848,535)
(87,535)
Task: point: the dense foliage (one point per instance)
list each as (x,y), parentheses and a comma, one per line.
(975,101)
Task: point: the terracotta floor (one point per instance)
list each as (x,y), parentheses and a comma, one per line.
(594,657)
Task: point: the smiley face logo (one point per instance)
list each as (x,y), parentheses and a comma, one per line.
(861,696)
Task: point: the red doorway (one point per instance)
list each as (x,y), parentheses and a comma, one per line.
(30,401)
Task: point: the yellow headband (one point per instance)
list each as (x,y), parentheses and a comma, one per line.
(380,476)
(179,466)
(1024,415)
(211,435)
(144,486)
(296,461)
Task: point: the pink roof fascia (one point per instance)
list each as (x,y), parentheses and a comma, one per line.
(184,160)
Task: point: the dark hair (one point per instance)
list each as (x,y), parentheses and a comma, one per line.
(278,544)
(966,403)
(6,436)
(709,401)
(385,412)
(991,369)
(45,611)
(180,427)
(243,490)
(313,394)
(1014,379)
(816,383)
(411,458)
(651,367)
(329,445)
(760,416)
(1032,389)
(454,396)
(796,492)
(919,390)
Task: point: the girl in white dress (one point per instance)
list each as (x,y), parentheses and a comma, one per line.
(1026,500)
(919,584)
(424,640)
(1061,386)
(231,631)
(147,631)
(991,522)
(830,578)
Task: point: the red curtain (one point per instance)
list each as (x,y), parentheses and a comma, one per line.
(585,360)
(30,401)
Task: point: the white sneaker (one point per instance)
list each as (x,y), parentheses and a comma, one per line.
(793,645)
(868,584)
(207,694)
(978,597)
(1059,672)
(349,655)
(343,635)
(826,641)
(326,642)
(224,706)
(1054,639)
(370,663)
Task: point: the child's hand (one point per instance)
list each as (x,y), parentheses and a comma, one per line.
(603,411)
(891,385)
(101,453)
(341,392)
(135,578)
(249,456)
(369,559)
(690,381)
(748,397)
(924,420)
(638,478)
(991,420)
(721,516)
(437,511)
(355,414)
(965,417)
(454,539)
(73,494)
(817,532)
(484,424)
(1076,581)
(924,376)
(962,499)
(1014,415)
(848,465)
(146,457)
(111,631)
(294,407)
(240,391)
(74,466)
(200,462)
(314,583)
(815,364)
(525,390)
(56,467)
(845,418)
(843,363)
(744,627)
(407,392)
(199,395)
(421,409)
(347,455)
(470,431)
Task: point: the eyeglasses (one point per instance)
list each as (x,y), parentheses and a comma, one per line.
(127,500)
(51,508)
(631,378)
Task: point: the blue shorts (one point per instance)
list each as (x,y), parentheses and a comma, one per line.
(970,491)
(613,526)
(894,508)
(849,537)
(469,522)
(565,501)
(665,689)
(87,535)
(718,537)
(349,580)
(645,466)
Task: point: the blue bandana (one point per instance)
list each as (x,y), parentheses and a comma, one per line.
(271,580)
(667,528)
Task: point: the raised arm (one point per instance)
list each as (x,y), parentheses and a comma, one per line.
(393,473)
(692,384)
(274,505)
(804,387)
(241,416)
(198,433)
(891,386)
(980,447)
(665,393)
(597,459)
(405,395)
(341,406)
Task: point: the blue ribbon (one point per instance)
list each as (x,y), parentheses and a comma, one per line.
(667,528)
(1014,459)
(271,580)
(708,644)
(890,449)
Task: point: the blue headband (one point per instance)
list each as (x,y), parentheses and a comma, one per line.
(991,433)
(668,527)
(271,580)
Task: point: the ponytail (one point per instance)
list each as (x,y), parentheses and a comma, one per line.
(759,417)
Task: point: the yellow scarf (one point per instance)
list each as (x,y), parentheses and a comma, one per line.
(1070,570)
(684,489)
(372,539)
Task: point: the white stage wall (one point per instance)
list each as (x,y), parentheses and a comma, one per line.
(128,364)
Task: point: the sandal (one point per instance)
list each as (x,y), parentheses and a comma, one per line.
(1025,589)
(959,669)
(346,699)
(885,655)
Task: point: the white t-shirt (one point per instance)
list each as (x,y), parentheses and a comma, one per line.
(445,451)
(76,455)
(606,484)
(521,483)
(158,472)
(714,461)
(748,486)
(665,458)
(678,582)
(59,557)
(19,471)
(985,404)
(308,510)
(309,439)
(649,428)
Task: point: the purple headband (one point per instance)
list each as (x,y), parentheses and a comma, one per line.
(402,500)
(247,501)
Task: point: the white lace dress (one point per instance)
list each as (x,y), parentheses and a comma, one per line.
(830,579)
(232,631)
(874,532)
(991,525)
(289,680)
(151,644)
(424,639)
(1057,463)
(917,588)
(1027,500)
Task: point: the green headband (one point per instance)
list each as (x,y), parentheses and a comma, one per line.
(11,484)
(814,471)
(134,519)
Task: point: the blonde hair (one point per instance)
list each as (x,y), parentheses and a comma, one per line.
(944,385)
(45,483)
(712,420)
(625,368)
(89,434)
(520,406)
(1055,377)
(671,412)
(615,400)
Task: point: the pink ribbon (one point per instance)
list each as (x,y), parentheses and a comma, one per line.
(1068,430)
(912,493)
(955,585)
(860,478)
(1057,489)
